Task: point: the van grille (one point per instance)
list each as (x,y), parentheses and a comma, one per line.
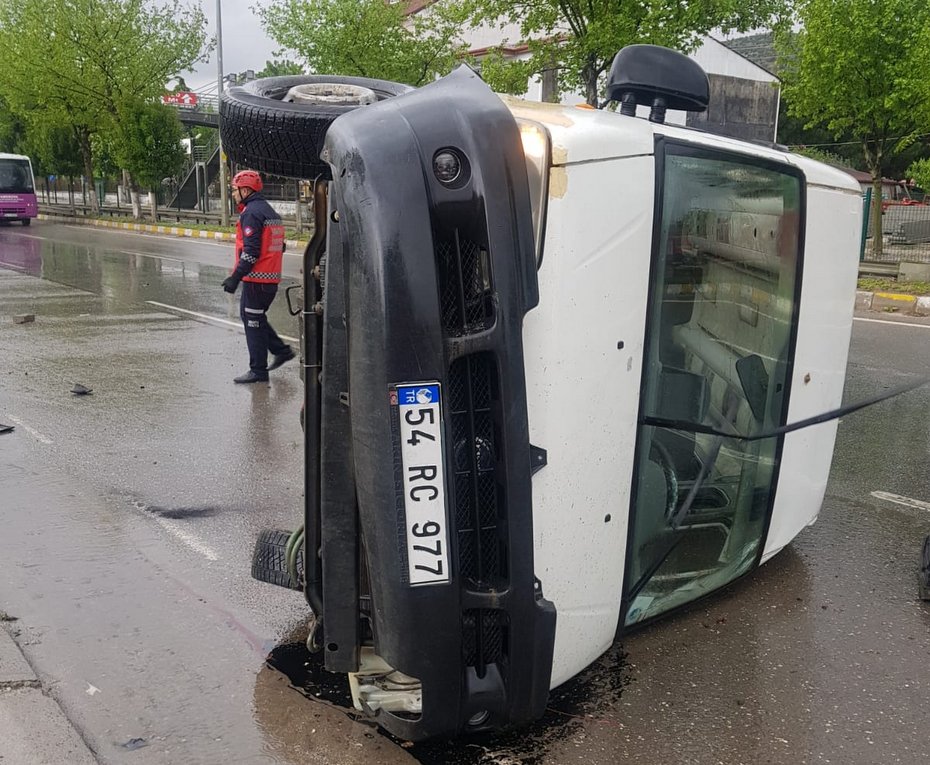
(484,638)
(477,503)
(465,286)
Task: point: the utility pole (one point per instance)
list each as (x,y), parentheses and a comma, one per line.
(224,200)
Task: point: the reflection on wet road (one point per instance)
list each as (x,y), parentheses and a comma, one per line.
(128,518)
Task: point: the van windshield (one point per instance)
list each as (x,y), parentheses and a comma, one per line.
(719,340)
(15,177)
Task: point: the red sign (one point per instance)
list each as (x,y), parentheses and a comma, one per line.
(180,99)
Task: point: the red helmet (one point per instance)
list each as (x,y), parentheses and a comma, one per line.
(248,179)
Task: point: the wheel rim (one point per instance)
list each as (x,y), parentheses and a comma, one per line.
(331,93)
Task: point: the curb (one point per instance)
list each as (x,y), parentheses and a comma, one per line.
(149,228)
(33,727)
(893,302)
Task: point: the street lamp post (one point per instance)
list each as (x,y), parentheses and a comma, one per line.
(224,201)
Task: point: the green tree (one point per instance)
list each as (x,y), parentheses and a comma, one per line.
(578,39)
(74,63)
(858,69)
(919,172)
(12,129)
(148,144)
(54,149)
(280,68)
(367,38)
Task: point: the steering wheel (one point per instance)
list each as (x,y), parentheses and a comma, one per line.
(659,454)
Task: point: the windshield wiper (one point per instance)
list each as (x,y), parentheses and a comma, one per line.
(833,414)
(695,427)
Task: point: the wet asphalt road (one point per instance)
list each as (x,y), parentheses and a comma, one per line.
(128,518)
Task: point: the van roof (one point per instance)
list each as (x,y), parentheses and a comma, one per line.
(582,134)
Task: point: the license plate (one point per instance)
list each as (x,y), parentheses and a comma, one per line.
(420,415)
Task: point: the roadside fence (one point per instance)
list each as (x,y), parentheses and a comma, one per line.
(905,234)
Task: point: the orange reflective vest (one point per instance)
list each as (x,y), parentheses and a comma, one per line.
(259,242)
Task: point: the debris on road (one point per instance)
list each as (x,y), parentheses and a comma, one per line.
(81,390)
(24,318)
(6,428)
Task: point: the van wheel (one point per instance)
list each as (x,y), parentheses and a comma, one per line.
(277,124)
(27,221)
(269,559)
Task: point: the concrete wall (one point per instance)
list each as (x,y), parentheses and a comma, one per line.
(716,58)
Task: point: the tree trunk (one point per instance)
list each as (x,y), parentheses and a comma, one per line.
(877,239)
(134,198)
(589,75)
(87,156)
(153,199)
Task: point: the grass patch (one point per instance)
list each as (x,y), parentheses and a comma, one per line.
(873,284)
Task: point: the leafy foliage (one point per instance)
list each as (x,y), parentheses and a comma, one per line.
(148,142)
(821,155)
(277,68)
(75,64)
(367,38)
(857,69)
(11,129)
(919,172)
(581,37)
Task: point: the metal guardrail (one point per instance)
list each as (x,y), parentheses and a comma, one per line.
(165,215)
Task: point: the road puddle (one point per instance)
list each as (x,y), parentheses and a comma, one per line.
(572,706)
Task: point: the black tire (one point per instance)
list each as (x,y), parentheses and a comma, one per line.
(264,133)
(269,559)
(27,221)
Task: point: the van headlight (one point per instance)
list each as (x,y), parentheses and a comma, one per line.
(537,149)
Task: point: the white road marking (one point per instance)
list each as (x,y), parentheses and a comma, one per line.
(187,538)
(32,432)
(896,323)
(206,317)
(177,530)
(899,500)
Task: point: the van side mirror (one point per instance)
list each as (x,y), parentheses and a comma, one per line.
(658,77)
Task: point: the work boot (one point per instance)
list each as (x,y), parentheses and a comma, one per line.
(251,377)
(282,358)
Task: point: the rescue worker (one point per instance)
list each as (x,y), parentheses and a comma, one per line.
(259,250)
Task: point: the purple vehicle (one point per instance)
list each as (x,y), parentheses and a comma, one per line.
(17,189)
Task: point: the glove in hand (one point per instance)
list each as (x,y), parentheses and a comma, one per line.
(230,283)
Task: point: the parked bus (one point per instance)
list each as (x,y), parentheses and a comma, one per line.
(17,189)
(553,359)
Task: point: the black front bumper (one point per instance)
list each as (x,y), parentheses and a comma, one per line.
(436,282)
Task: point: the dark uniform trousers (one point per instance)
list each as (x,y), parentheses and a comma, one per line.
(260,336)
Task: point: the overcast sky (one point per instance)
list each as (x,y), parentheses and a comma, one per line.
(245,44)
